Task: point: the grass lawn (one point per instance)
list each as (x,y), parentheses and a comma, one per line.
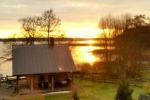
(89,90)
(58,97)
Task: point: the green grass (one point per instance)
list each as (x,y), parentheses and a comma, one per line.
(58,97)
(89,90)
(95,91)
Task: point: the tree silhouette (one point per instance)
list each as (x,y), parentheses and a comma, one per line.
(49,22)
(31,26)
(112,27)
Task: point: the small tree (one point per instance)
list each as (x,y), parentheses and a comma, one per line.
(124,92)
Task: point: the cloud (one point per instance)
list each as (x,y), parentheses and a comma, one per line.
(70,8)
(79,11)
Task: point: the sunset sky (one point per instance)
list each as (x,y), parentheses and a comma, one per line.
(79,17)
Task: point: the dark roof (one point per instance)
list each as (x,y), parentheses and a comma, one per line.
(37,59)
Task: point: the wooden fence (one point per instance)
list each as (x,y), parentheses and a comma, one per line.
(101,77)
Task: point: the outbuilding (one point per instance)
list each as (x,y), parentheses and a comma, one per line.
(43,66)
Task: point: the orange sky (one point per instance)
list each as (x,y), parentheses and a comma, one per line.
(71,29)
(79,17)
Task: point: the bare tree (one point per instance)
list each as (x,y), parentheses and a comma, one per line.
(112,27)
(50,22)
(31,27)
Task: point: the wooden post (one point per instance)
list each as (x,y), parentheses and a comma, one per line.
(52,82)
(17,87)
(72,76)
(31,83)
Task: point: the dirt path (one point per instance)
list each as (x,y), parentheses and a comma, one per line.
(7,94)
(4,92)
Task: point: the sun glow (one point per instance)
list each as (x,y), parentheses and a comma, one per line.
(84,55)
(81,30)
(10,33)
(83,33)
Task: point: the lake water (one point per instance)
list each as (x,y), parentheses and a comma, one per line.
(5,68)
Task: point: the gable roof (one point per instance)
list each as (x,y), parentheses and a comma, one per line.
(37,59)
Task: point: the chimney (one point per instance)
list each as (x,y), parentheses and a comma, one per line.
(51,42)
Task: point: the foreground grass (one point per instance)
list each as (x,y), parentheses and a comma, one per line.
(89,90)
(29,97)
(58,97)
(96,91)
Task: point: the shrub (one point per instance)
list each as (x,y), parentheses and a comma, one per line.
(124,92)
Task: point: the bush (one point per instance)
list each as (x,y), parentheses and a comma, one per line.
(124,92)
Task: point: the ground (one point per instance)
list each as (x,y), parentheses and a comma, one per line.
(88,90)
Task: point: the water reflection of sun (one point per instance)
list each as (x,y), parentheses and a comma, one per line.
(84,55)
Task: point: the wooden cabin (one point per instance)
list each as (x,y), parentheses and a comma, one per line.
(44,66)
